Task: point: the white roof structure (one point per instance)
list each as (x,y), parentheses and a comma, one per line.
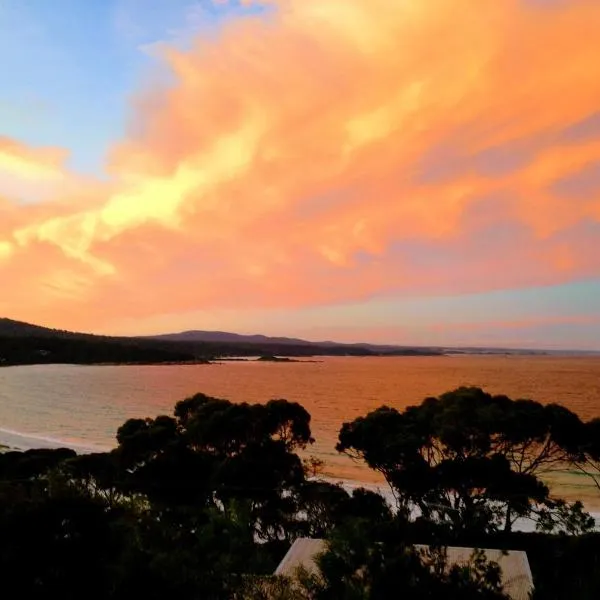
(302,553)
(516,574)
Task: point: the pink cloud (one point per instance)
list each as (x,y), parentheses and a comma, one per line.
(212,198)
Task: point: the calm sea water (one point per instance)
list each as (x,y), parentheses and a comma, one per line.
(84,405)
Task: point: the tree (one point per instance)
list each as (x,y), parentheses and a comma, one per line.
(204,503)
(466,458)
(324,504)
(101,475)
(32,464)
(214,452)
(588,457)
(54,541)
(313,466)
(223,427)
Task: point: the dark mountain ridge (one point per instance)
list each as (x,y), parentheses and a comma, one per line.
(25,343)
(237,338)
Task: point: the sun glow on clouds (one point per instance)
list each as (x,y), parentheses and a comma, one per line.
(18,160)
(327,151)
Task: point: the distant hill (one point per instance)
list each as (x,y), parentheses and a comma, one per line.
(287,343)
(225,337)
(25,343)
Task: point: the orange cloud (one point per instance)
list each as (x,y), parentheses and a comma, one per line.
(6,249)
(322,154)
(18,159)
(30,173)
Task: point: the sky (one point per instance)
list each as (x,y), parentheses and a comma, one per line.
(397,171)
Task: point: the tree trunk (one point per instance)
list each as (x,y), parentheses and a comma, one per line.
(508,524)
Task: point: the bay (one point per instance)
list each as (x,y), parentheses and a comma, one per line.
(82,406)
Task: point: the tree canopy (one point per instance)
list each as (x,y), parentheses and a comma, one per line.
(204,503)
(467,458)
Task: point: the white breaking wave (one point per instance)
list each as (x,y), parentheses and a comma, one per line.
(17,440)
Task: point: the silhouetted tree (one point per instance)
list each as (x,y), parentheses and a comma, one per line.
(588,457)
(216,452)
(467,457)
(197,504)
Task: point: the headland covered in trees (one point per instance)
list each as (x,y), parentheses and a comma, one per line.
(24,343)
(205,502)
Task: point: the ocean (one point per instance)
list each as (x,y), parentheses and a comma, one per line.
(82,406)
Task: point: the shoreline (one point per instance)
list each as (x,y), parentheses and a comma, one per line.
(313,358)
(216,360)
(18,441)
(173,363)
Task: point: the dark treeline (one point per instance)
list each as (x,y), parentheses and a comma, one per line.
(204,504)
(66,350)
(63,349)
(23,343)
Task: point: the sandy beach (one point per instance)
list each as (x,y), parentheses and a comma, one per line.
(15,440)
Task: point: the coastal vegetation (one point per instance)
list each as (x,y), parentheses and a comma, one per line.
(205,502)
(67,350)
(26,344)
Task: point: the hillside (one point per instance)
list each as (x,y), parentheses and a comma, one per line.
(25,343)
(228,338)
(11,328)
(291,346)
(224,337)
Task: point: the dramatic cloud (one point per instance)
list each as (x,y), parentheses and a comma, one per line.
(17,159)
(329,151)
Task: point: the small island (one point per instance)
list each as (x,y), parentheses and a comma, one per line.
(273,358)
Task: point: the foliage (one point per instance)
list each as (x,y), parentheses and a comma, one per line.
(313,466)
(204,503)
(23,343)
(466,458)
(561,517)
(588,458)
(87,349)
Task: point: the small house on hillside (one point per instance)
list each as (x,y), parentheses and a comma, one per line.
(516,573)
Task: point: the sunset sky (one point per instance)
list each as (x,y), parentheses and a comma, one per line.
(407,171)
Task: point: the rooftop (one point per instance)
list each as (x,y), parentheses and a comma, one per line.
(516,574)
